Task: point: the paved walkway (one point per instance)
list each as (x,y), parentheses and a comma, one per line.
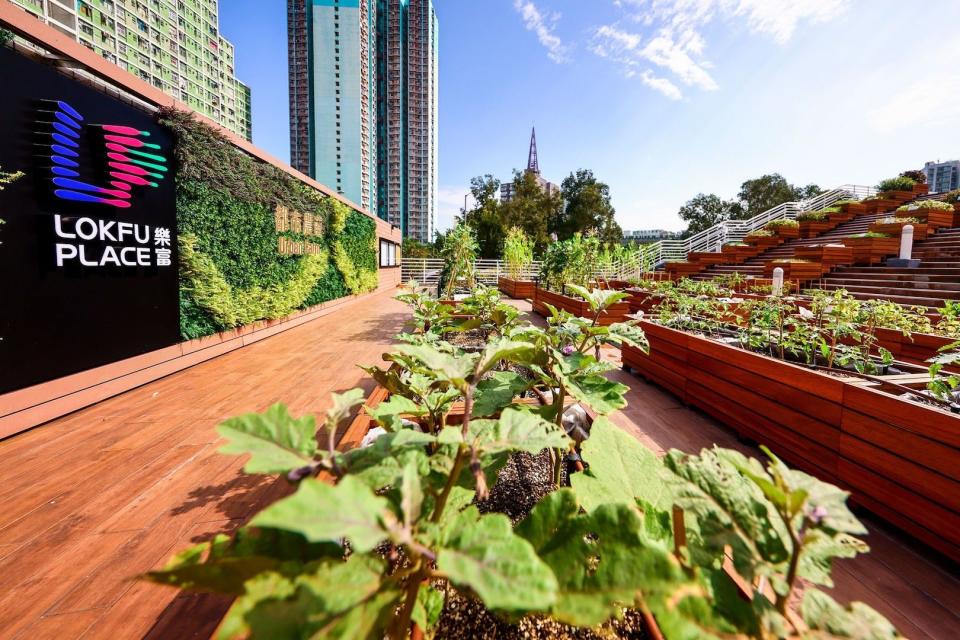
(104,494)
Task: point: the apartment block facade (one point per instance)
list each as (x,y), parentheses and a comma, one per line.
(363,103)
(943,176)
(175,45)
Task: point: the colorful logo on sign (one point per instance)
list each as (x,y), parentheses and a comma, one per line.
(130,162)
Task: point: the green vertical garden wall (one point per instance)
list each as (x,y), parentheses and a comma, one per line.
(231,271)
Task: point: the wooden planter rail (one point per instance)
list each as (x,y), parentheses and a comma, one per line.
(580,308)
(899,459)
(517,289)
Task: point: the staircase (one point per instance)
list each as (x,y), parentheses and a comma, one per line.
(935,281)
(753,267)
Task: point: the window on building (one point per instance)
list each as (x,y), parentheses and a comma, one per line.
(389,254)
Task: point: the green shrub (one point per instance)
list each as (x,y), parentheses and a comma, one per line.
(927,205)
(761,233)
(517,252)
(952,196)
(459,257)
(898,220)
(900,183)
(812,216)
(870,234)
(782,223)
(839,203)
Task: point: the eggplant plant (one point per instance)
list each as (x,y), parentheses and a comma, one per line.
(374,540)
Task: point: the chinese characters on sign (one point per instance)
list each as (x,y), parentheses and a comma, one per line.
(111,243)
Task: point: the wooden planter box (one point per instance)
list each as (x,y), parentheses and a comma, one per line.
(850,211)
(872,251)
(541,297)
(681,269)
(642,301)
(829,255)
(880,206)
(900,459)
(813,228)
(916,348)
(518,289)
(738,254)
(787,233)
(798,271)
(920,230)
(708,258)
(764,242)
(933,218)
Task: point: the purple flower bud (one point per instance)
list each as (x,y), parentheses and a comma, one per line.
(817,514)
(567,350)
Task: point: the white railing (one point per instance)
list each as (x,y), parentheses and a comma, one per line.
(427,270)
(715,237)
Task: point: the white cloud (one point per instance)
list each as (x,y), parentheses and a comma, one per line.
(662,85)
(535,21)
(676,45)
(930,101)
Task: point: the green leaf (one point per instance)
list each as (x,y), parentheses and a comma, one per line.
(857,621)
(411,495)
(455,369)
(337,600)
(600,394)
(602,560)
(628,333)
(343,404)
(323,512)
(484,554)
(276,442)
(622,470)
(496,392)
(388,414)
(429,606)
(724,508)
(505,349)
(517,430)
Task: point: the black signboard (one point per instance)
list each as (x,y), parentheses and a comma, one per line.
(88,248)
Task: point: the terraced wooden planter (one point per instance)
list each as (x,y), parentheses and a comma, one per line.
(901,196)
(920,230)
(787,233)
(737,254)
(880,206)
(872,251)
(916,348)
(707,258)
(682,269)
(829,255)
(813,228)
(764,242)
(542,297)
(899,458)
(933,218)
(517,289)
(850,211)
(797,271)
(642,301)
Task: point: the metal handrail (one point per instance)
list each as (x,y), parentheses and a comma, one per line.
(715,237)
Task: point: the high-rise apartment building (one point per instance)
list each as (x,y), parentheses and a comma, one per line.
(175,45)
(363,103)
(943,176)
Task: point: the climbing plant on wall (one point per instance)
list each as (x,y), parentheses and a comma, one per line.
(232,270)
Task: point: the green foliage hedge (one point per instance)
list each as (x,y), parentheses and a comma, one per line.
(231,270)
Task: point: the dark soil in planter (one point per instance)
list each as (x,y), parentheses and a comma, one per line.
(524,480)
(467,619)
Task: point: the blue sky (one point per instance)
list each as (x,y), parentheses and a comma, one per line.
(663,99)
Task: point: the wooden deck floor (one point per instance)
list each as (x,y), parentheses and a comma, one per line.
(97,497)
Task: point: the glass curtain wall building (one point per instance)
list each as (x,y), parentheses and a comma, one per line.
(175,45)
(363,103)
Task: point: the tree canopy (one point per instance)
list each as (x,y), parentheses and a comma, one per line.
(582,205)
(755,196)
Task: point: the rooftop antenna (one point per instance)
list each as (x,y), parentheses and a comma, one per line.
(533,165)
